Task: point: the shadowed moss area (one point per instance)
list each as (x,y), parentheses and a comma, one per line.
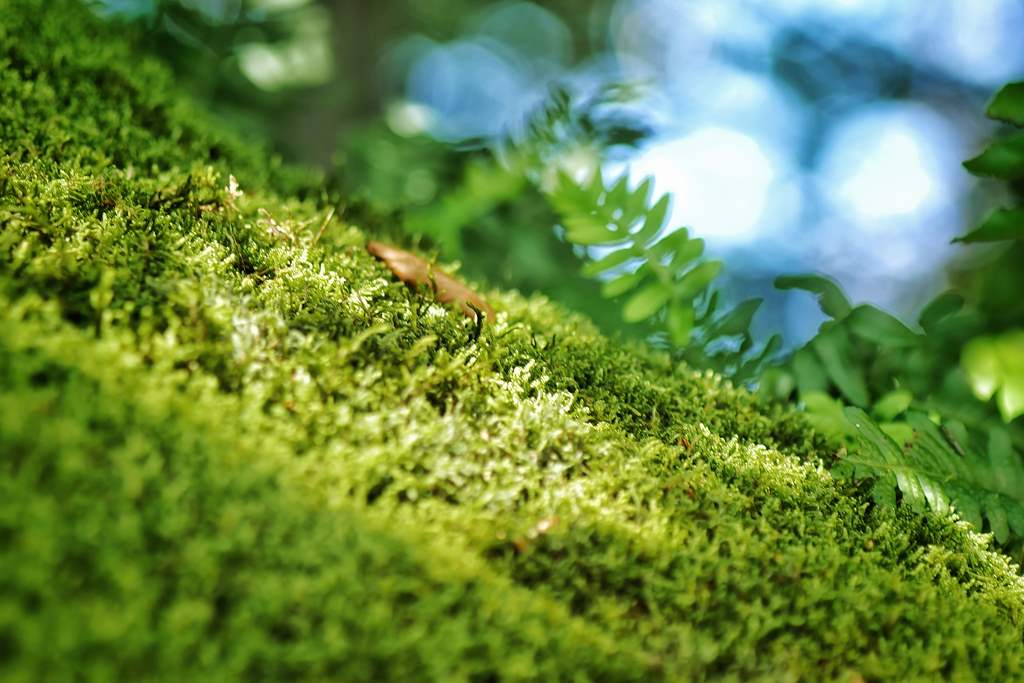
(232,446)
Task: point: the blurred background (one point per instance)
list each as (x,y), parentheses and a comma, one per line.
(794,135)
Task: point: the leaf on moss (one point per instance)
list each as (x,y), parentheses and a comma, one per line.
(414,271)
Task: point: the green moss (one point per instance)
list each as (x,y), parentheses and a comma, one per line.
(234,447)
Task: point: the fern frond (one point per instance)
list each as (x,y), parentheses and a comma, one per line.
(660,273)
(930,473)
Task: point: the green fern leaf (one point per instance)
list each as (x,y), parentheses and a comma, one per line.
(654,222)
(646,302)
(607,262)
(930,473)
(623,283)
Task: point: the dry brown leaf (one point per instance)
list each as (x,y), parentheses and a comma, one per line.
(413,271)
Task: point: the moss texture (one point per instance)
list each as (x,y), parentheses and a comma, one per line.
(232,446)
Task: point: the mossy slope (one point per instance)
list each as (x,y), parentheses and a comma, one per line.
(233,447)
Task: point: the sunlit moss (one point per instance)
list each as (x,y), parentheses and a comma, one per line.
(234,447)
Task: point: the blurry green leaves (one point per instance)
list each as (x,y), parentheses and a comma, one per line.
(605,263)
(874,325)
(1002,224)
(995,367)
(736,321)
(697,279)
(300,56)
(892,405)
(275,45)
(903,409)
(483,188)
(679,321)
(830,358)
(653,273)
(1003,159)
(623,283)
(1008,104)
(588,230)
(659,272)
(831,298)
(939,309)
(834,355)
(646,302)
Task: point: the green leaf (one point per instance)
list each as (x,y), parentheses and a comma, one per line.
(939,308)
(607,262)
(587,230)
(1002,224)
(826,414)
(595,190)
(569,197)
(1008,104)
(693,249)
(830,297)
(835,356)
(995,365)
(736,321)
(879,452)
(646,302)
(681,248)
(892,405)
(1015,515)
(697,279)
(754,368)
(776,383)
(980,360)
(1011,398)
(900,432)
(623,283)
(708,309)
(619,192)
(997,519)
(809,374)
(771,347)
(969,510)
(680,323)
(1004,158)
(636,205)
(654,221)
(875,325)
(670,243)
(1005,462)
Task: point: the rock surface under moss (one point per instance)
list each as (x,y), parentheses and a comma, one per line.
(232,449)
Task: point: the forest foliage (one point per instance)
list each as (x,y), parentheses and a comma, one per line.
(238,447)
(883,388)
(513,213)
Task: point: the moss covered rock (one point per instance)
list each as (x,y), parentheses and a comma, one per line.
(233,446)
